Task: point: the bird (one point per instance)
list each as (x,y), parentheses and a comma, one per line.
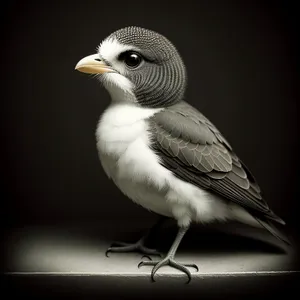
(162,152)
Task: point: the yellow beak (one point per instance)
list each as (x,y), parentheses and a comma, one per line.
(93,65)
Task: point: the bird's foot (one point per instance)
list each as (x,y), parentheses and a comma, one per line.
(121,247)
(169,261)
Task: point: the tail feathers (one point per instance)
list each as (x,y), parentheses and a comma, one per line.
(271,215)
(267,224)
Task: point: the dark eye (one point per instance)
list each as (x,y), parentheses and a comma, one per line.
(131,59)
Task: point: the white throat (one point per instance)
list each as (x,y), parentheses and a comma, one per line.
(117,84)
(118,87)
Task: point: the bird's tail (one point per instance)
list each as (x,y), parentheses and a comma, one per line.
(272,228)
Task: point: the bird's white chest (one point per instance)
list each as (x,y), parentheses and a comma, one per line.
(123,147)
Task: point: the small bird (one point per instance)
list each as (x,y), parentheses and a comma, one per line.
(160,151)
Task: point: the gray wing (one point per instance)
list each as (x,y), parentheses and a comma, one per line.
(195,151)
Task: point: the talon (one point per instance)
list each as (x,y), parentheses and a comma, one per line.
(147,256)
(107,251)
(196,267)
(140,264)
(193,266)
(154,272)
(189,278)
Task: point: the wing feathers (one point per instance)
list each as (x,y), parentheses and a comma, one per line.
(192,147)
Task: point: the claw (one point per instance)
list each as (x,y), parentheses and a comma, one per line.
(147,256)
(172,263)
(182,268)
(154,270)
(107,251)
(192,266)
(189,278)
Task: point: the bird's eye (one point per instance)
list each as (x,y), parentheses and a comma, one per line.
(131,59)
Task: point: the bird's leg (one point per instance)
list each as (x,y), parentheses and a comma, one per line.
(139,246)
(169,259)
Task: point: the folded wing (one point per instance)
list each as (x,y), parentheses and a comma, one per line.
(195,151)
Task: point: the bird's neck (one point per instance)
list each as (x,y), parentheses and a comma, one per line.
(120,114)
(119,93)
(121,96)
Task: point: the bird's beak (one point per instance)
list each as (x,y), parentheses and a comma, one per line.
(93,65)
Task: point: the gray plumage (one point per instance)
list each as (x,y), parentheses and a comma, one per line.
(161,81)
(193,148)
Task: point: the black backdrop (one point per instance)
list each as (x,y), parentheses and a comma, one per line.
(242,63)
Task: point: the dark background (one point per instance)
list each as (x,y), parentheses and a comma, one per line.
(242,63)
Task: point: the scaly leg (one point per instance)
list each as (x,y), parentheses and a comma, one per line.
(169,259)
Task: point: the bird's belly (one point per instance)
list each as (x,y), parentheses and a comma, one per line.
(146,196)
(177,199)
(140,192)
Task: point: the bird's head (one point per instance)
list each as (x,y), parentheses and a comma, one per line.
(139,65)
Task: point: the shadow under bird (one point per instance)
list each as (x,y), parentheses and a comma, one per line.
(160,151)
